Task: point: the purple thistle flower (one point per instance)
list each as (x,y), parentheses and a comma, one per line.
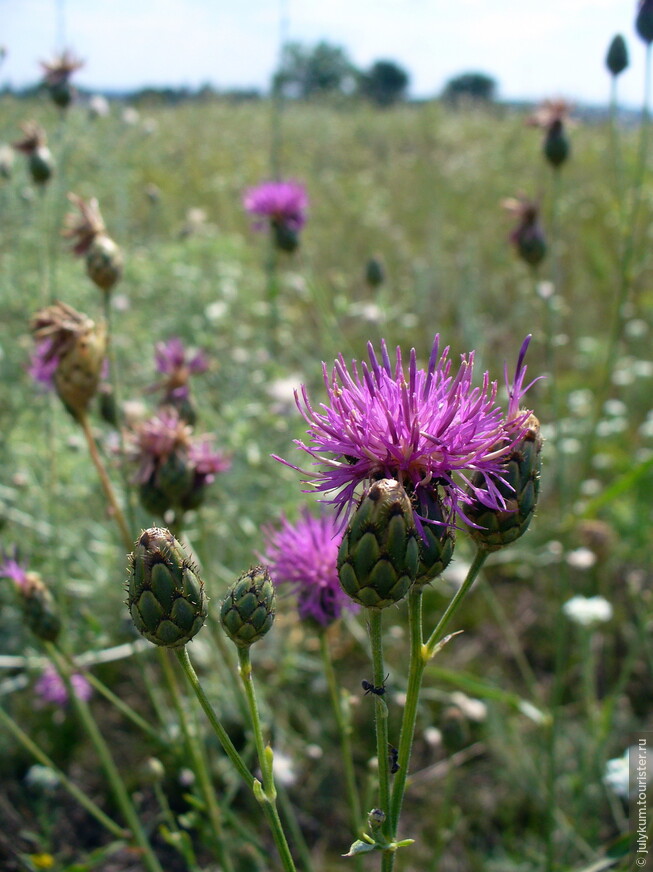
(206,460)
(429,429)
(173,360)
(43,363)
(284,203)
(304,555)
(51,688)
(13,568)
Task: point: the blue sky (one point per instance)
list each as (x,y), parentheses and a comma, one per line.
(534,49)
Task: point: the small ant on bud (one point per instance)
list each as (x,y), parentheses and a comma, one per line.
(368,687)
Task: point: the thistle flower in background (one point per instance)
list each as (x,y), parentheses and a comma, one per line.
(69,354)
(38,606)
(552,116)
(85,227)
(284,205)
(304,555)
(40,162)
(616,59)
(57,74)
(174,467)
(528,237)
(429,429)
(177,363)
(50,687)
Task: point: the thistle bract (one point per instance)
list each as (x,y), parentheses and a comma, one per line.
(165,594)
(247,612)
(437,540)
(496,529)
(379,553)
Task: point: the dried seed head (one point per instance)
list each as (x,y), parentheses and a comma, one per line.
(165,594)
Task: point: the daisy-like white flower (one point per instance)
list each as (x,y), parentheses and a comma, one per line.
(429,429)
(283,205)
(304,556)
(588,611)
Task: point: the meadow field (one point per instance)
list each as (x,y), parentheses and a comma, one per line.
(520,714)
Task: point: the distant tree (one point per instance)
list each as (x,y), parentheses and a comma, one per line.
(384,83)
(470,86)
(310,71)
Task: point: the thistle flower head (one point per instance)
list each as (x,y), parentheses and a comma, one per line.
(34,137)
(206,461)
(84,225)
(156,439)
(59,70)
(427,428)
(281,202)
(50,687)
(177,363)
(549,113)
(11,566)
(304,556)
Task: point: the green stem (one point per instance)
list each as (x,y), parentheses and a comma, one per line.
(198,763)
(219,730)
(267,797)
(416,668)
(272,291)
(106,761)
(72,788)
(375,623)
(344,731)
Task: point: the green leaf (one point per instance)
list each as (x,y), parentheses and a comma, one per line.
(360,847)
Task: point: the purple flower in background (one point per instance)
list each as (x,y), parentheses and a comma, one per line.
(428,428)
(178,364)
(51,689)
(284,204)
(206,461)
(43,364)
(304,555)
(13,568)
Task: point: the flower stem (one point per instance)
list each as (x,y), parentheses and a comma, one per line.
(199,764)
(107,487)
(267,796)
(438,633)
(380,714)
(106,761)
(72,788)
(344,730)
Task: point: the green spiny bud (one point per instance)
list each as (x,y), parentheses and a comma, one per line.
(617,57)
(556,144)
(437,541)
(496,529)
(104,262)
(39,608)
(644,20)
(379,553)
(165,594)
(247,612)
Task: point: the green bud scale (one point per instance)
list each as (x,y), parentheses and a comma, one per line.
(379,553)
(165,594)
(496,529)
(247,612)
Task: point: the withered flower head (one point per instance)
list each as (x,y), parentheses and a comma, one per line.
(59,70)
(549,113)
(84,225)
(33,139)
(61,325)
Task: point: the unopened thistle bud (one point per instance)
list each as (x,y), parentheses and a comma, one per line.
(644,20)
(496,529)
(39,608)
(40,162)
(556,144)
(374,272)
(528,237)
(437,542)
(616,59)
(286,238)
(247,612)
(379,553)
(165,594)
